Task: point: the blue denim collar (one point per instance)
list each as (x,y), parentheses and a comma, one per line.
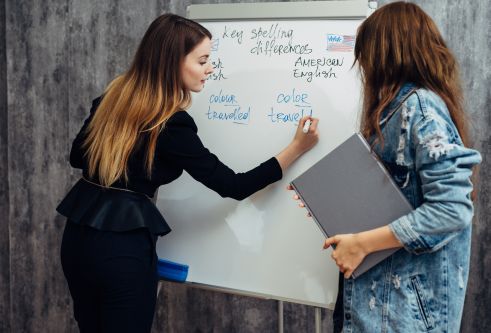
(405,89)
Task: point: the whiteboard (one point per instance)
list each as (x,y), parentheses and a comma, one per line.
(268,74)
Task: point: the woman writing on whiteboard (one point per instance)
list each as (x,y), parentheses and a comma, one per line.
(139,136)
(414,118)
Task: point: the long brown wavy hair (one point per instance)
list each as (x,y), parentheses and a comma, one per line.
(400,43)
(142,99)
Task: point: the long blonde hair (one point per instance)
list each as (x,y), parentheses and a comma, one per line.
(142,99)
(400,43)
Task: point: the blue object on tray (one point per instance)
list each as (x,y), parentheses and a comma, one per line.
(173,271)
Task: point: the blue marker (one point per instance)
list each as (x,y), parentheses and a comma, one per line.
(173,271)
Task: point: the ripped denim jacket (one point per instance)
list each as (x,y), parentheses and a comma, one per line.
(421,287)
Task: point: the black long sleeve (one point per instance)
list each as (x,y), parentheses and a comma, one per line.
(179,149)
(182,144)
(76,153)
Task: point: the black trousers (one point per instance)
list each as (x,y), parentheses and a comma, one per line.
(338,314)
(112,277)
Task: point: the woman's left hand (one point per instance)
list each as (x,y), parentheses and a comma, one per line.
(348,252)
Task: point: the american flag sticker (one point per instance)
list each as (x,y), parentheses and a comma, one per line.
(340,43)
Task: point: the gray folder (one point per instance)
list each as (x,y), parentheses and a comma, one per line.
(349,191)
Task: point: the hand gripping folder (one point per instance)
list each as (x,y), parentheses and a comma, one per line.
(349,191)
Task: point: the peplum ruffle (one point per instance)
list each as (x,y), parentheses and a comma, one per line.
(111,209)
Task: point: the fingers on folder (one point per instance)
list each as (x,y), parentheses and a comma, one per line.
(296,197)
(330,241)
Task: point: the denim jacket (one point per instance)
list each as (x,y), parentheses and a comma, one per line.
(421,287)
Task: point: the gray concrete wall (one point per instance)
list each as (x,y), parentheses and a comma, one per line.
(55,56)
(4,189)
(37,100)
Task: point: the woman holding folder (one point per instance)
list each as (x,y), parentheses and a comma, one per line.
(139,136)
(414,118)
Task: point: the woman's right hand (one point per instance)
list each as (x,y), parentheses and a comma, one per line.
(305,141)
(301,143)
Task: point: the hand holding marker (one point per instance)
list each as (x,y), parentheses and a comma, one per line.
(305,130)
(306,126)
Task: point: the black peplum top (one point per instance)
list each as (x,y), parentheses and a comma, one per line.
(127,205)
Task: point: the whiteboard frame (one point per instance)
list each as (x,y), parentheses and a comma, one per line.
(348,10)
(305,10)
